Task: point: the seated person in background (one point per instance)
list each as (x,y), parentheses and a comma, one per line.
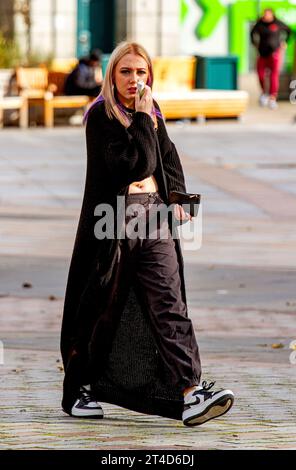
(86,77)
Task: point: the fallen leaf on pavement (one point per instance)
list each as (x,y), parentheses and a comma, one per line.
(27,285)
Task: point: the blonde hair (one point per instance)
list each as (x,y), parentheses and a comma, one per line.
(107,92)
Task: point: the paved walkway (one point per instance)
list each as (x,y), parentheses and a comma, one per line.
(241,287)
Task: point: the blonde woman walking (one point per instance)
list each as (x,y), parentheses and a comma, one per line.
(126,336)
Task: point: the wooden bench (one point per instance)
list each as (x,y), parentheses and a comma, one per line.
(46,88)
(15,102)
(172,73)
(201,104)
(32,82)
(174,89)
(55,99)
(63,65)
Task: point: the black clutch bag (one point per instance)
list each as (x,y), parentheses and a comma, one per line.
(191,201)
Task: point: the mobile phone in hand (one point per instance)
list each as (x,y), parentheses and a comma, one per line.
(141,88)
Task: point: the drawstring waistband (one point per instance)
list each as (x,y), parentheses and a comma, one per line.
(143,197)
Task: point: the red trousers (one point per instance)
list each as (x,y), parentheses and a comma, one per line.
(271,63)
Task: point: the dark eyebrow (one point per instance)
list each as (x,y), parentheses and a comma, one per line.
(128,68)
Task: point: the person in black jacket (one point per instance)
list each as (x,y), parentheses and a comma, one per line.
(269,35)
(123,161)
(84,79)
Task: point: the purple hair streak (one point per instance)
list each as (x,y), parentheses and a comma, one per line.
(100,99)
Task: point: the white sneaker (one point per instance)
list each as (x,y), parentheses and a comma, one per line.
(200,405)
(86,406)
(272,103)
(263,100)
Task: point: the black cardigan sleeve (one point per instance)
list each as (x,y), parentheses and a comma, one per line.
(129,154)
(174,171)
(171,161)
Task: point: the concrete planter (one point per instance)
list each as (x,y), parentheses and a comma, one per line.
(5,75)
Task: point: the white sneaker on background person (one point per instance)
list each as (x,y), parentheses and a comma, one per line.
(272,103)
(264,99)
(201,405)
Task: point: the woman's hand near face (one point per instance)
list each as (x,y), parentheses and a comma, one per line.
(144,104)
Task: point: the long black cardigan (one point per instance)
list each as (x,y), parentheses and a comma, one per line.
(100,306)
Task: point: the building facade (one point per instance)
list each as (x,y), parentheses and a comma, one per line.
(70,28)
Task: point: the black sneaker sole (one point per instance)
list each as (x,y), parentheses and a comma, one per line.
(219,408)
